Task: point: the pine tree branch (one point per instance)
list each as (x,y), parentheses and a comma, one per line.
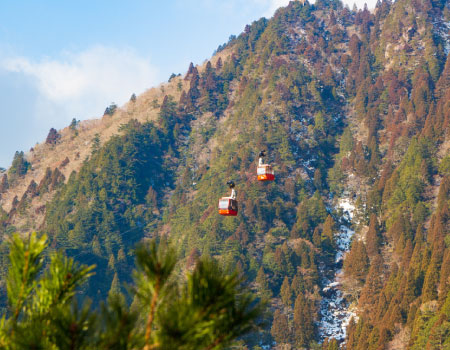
(22,287)
(151,315)
(216,342)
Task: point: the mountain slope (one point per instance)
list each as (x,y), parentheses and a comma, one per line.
(353,107)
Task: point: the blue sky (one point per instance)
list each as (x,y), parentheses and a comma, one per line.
(69,59)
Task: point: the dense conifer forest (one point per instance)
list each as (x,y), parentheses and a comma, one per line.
(352,106)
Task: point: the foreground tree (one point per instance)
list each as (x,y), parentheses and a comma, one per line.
(208,309)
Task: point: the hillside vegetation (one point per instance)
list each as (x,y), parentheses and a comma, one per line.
(349,104)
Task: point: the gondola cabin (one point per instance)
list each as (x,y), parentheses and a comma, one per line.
(228,206)
(265,173)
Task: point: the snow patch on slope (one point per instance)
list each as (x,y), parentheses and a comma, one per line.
(442,29)
(334,308)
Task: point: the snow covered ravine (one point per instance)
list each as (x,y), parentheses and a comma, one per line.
(334,309)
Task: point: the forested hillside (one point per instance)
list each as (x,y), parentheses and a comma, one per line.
(353,108)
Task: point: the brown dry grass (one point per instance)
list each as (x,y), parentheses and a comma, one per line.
(400,340)
(78,147)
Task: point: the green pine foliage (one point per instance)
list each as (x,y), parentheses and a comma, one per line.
(208,309)
(108,197)
(346,102)
(404,191)
(19,167)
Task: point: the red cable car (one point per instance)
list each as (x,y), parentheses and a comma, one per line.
(264,171)
(228,206)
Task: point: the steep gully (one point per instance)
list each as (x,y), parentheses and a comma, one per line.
(335,313)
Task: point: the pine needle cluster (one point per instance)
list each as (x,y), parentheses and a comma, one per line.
(206,309)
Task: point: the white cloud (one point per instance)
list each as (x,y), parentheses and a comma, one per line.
(270,6)
(82,84)
(275,4)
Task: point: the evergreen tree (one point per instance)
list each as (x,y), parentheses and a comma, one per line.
(74,125)
(52,137)
(373,239)
(328,228)
(287,89)
(374,283)
(297,285)
(45,314)
(4,185)
(431,280)
(115,286)
(111,109)
(285,292)
(356,262)
(19,166)
(263,285)
(317,239)
(318,182)
(219,64)
(280,327)
(95,143)
(303,321)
